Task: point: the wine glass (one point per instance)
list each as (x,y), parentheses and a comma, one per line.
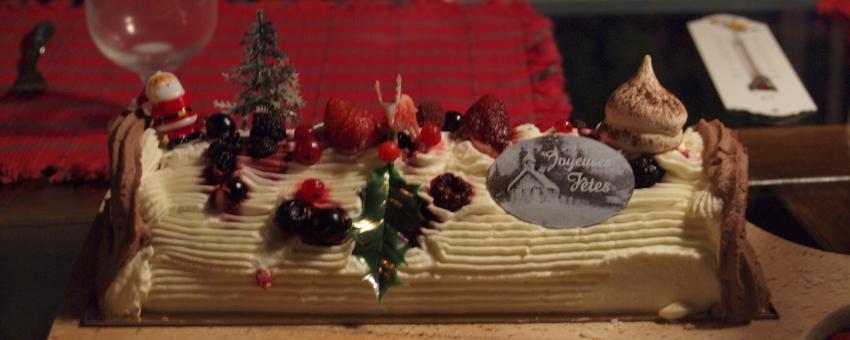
(148,36)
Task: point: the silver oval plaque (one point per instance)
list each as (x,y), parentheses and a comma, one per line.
(561,182)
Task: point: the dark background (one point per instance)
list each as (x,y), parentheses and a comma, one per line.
(602,51)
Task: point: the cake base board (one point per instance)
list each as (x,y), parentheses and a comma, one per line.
(93,319)
(808,286)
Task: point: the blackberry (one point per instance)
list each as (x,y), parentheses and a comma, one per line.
(225,161)
(328,227)
(262,147)
(219,146)
(450,192)
(293,217)
(647,171)
(430,112)
(267,125)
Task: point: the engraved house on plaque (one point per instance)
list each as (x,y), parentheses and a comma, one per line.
(532,186)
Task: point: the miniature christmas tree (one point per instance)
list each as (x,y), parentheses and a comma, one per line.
(269,81)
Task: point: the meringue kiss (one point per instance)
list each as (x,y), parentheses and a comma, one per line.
(642,117)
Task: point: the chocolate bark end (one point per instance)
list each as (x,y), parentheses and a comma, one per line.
(744,292)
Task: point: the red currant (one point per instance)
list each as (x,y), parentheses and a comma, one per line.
(303,132)
(430,135)
(307,151)
(388,151)
(312,191)
(563,126)
(263,277)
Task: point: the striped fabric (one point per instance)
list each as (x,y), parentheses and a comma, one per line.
(446,52)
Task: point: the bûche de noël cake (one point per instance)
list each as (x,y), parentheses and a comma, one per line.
(366,216)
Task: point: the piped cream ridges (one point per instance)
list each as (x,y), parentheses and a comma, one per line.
(641,116)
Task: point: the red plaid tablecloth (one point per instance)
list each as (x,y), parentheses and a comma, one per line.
(446,52)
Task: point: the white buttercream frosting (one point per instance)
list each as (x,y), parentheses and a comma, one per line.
(654,256)
(131,286)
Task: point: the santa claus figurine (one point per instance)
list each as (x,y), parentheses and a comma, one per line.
(170,109)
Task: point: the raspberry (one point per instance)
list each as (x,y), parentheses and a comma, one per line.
(388,151)
(348,127)
(450,192)
(262,147)
(647,171)
(486,122)
(430,112)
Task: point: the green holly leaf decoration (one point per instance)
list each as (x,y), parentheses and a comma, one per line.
(385,230)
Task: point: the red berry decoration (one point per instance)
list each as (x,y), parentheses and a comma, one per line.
(348,127)
(430,112)
(307,150)
(388,151)
(303,132)
(312,191)
(450,192)
(563,126)
(486,124)
(430,135)
(263,277)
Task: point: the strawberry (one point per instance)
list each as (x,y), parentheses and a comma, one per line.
(348,127)
(486,125)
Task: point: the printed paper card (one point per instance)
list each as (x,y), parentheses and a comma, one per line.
(748,67)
